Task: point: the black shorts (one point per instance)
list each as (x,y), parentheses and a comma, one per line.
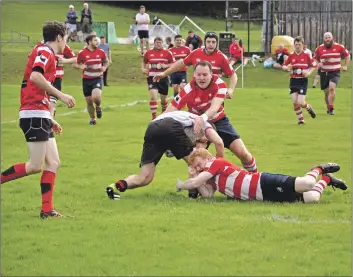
(143,34)
(327,77)
(178,78)
(36,129)
(298,85)
(226,131)
(162,135)
(279,188)
(56,84)
(88,85)
(162,86)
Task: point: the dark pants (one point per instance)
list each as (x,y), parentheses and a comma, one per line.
(105,73)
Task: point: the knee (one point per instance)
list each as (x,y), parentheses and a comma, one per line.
(311,197)
(240,151)
(146,178)
(308,183)
(331,90)
(53,164)
(33,168)
(89,101)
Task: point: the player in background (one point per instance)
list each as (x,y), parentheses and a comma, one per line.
(155,61)
(204,96)
(93,62)
(169,131)
(219,61)
(35,119)
(329,55)
(280,56)
(211,174)
(300,66)
(236,51)
(168,42)
(179,51)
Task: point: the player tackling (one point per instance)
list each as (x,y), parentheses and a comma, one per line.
(212,174)
(35,119)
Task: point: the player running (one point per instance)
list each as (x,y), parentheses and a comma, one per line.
(211,174)
(179,51)
(93,62)
(204,96)
(154,61)
(174,131)
(219,61)
(328,55)
(35,119)
(300,65)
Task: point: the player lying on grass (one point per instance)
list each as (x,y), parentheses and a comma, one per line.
(210,174)
(170,131)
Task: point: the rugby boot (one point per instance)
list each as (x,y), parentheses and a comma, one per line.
(336,183)
(301,122)
(112,192)
(92,122)
(50,214)
(99,112)
(328,168)
(311,112)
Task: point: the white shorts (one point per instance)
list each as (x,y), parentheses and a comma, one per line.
(72,27)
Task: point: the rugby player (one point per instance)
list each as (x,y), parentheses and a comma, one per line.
(211,174)
(93,62)
(219,61)
(169,131)
(328,55)
(300,65)
(35,119)
(179,51)
(154,61)
(204,96)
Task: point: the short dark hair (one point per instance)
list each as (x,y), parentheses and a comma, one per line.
(157,39)
(102,37)
(299,39)
(90,38)
(168,39)
(52,29)
(203,63)
(190,32)
(178,36)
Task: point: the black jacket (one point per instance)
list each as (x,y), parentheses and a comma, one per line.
(89,15)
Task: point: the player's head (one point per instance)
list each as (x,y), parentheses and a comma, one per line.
(298,44)
(199,158)
(178,40)
(281,47)
(211,41)
(191,33)
(168,40)
(92,41)
(142,9)
(203,74)
(158,43)
(55,32)
(328,39)
(102,39)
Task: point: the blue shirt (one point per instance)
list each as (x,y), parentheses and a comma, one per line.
(105,48)
(71,17)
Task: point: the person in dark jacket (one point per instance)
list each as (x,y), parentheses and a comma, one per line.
(71,22)
(86,19)
(193,41)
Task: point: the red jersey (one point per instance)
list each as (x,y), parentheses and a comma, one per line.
(234,181)
(155,58)
(220,63)
(180,53)
(93,61)
(35,101)
(300,62)
(331,57)
(199,100)
(236,51)
(67,54)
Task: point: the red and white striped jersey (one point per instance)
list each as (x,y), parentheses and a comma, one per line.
(300,62)
(35,101)
(331,57)
(155,58)
(180,53)
(199,100)
(93,61)
(67,54)
(234,181)
(219,61)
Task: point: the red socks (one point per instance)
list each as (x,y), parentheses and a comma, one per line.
(14,172)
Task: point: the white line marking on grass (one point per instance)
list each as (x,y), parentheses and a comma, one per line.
(85,110)
(276,217)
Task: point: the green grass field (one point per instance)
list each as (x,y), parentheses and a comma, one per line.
(154,231)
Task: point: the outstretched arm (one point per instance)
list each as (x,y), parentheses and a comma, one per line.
(195,182)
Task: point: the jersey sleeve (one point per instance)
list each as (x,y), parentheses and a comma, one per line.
(171,58)
(182,98)
(288,61)
(145,58)
(104,56)
(43,59)
(188,60)
(226,67)
(222,88)
(214,167)
(344,52)
(80,57)
(68,53)
(317,54)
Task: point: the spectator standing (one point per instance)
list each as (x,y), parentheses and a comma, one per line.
(105,47)
(193,41)
(71,22)
(86,19)
(142,21)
